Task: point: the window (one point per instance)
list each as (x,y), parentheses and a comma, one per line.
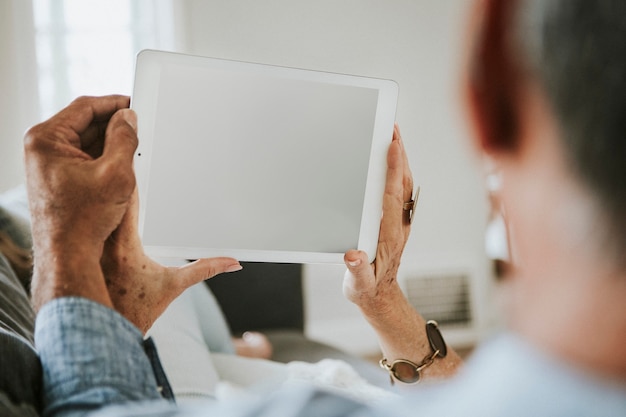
(89,47)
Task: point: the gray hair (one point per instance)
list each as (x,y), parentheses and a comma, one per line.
(577,51)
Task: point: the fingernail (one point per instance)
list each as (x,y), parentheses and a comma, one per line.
(131,118)
(234,268)
(355,263)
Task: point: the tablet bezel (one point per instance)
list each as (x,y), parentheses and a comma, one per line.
(145,102)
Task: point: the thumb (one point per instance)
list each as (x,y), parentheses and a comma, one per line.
(121,137)
(357,263)
(203,269)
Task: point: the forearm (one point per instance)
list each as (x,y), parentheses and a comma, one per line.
(66,268)
(91,357)
(401,331)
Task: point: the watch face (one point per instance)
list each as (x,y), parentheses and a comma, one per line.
(436,339)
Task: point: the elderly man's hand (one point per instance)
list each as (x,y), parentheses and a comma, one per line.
(80,180)
(141,288)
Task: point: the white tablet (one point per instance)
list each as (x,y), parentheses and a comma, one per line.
(258,162)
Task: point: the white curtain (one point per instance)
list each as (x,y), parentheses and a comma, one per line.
(18,83)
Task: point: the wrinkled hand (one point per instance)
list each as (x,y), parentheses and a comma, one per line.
(141,288)
(367,284)
(374,287)
(79,180)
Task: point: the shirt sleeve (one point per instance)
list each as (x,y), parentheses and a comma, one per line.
(91,357)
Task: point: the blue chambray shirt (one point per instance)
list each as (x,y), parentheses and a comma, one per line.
(91,356)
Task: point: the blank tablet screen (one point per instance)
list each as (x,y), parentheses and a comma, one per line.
(247,163)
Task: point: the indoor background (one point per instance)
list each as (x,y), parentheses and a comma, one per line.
(53,50)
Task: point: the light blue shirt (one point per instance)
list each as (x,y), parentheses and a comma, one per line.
(92,357)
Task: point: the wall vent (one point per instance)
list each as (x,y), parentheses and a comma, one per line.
(441,297)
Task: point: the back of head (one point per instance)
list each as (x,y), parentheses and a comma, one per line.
(577,51)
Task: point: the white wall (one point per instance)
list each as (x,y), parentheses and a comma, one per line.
(419,44)
(18,98)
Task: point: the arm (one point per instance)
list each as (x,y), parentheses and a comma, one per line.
(77,199)
(81,186)
(374,288)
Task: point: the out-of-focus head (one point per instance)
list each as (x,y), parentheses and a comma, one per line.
(575,51)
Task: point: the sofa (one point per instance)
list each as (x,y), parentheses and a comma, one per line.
(20,378)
